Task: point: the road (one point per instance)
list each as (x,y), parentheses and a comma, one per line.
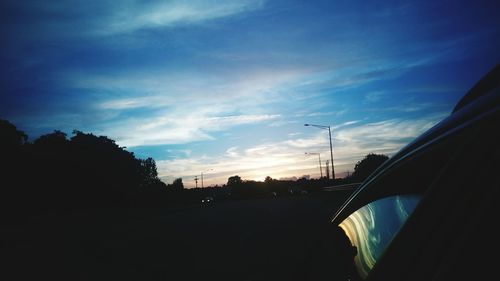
(261,239)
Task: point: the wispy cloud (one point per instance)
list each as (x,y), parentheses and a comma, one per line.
(303,143)
(329,113)
(347,123)
(181,107)
(282,122)
(374,96)
(172,130)
(189,106)
(174,13)
(232,152)
(286,158)
(381,137)
(105,17)
(154,88)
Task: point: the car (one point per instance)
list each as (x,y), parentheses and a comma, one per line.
(208,199)
(429,211)
(293,190)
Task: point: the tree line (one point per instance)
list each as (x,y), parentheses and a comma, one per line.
(84,170)
(241,189)
(57,172)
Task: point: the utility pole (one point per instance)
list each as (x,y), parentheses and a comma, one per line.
(327,169)
(331,147)
(320,170)
(331,152)
(196,181)
(319,160)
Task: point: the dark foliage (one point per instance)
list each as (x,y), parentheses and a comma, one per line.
(57,173)
(234,181)
(9,135)
(176,185)
(367,166)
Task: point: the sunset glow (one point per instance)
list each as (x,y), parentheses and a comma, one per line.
(227,85)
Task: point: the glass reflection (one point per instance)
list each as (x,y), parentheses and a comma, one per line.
(372,227)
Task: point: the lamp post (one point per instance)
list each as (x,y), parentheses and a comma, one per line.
(319,157)
(202,176)
(331,149)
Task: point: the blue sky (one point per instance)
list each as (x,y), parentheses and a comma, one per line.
(228,85)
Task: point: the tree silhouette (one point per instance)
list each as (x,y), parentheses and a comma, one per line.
(105,168)
(51,154)
(10,136)
(177,184)
(54,140)
(234,181)
(149,172)
(12,165)
(268,180)
(58,173)
(367,166)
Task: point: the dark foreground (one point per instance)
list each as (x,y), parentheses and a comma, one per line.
(265,239)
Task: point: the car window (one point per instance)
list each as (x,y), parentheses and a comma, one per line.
(372,227)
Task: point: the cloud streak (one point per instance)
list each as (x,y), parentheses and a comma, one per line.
(108,18)
(172,130)
(286,159)
(159,14)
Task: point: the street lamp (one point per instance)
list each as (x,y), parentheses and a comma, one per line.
(202,176)
(319,157)
(331,149)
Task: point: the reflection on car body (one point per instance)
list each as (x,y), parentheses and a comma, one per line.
(371,228)
(426,212)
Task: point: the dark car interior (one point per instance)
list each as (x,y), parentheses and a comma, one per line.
(454,168)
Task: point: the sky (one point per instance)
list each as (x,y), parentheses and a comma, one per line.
(219,88)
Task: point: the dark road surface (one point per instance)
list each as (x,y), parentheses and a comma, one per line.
(262,239)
